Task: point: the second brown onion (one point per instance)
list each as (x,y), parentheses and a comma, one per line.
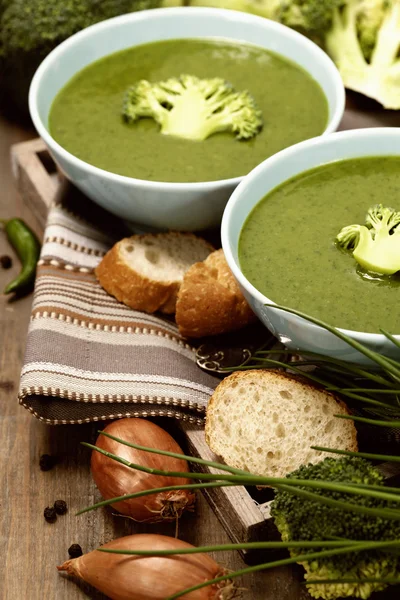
(114,479)
(130,577)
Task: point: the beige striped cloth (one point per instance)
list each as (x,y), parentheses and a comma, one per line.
(89,357)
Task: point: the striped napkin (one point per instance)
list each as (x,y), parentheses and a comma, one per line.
(89,357)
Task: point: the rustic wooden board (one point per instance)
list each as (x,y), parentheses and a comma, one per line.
(36,176)
(243,518)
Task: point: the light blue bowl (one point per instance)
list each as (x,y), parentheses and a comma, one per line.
(295,332)
(179,206)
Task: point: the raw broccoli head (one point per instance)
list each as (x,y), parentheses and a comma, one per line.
(364,42)
(361,36)
(30,29)
(38,24)
(375,245)
(310,16)
(193,108)
(304,520)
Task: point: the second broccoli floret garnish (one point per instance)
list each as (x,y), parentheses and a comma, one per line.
(375,245)
(193,108)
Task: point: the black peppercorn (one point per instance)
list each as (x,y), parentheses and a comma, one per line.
(50,514)
(47,462)
(5,262)
(60,506)
(75,550)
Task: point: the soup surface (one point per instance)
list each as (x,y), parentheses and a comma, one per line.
(85,117)
(287,245)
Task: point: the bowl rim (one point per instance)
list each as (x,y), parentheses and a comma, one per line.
(376,132)
(171,12)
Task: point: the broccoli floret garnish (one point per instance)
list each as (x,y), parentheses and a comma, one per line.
(364,42)
(304,520)
(193,108)
(375,245)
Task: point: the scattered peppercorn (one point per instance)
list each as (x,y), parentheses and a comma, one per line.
(50,514)
(47,462)
(60,506)
(5,261)
(75,551)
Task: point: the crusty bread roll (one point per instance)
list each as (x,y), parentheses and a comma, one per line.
(210,301)
(146,271)
(265,422)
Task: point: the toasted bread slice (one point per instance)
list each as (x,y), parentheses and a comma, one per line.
(265,422)
(210,301)
(146,271)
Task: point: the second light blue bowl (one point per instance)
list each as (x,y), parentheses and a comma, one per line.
(296,332)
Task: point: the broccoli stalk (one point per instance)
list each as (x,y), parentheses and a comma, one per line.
(193,108)
(359,26)
(370,18)
(298,519)
(376,246)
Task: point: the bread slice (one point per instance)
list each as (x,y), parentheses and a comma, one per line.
(210,301)
(146,271)
(266,421)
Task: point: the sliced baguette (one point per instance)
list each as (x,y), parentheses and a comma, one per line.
(146,271)
(210,301)
(266,421)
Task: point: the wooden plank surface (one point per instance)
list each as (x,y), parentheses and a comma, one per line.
(29,547)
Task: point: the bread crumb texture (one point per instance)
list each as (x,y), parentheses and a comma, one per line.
(210,301)
(266,421)
(145,271)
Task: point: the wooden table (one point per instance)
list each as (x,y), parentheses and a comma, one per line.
(30,548)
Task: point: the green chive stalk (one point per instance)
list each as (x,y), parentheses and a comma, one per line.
(249,479)
(368,455)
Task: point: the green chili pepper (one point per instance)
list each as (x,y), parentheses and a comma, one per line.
(27,247)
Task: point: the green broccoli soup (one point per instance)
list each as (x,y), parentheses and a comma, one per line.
(327,242)
(269,104)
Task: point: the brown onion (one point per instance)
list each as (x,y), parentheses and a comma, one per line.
(127,577)
(114,479)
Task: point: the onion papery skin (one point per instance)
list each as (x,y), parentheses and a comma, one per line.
(125,577)
(114,479)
